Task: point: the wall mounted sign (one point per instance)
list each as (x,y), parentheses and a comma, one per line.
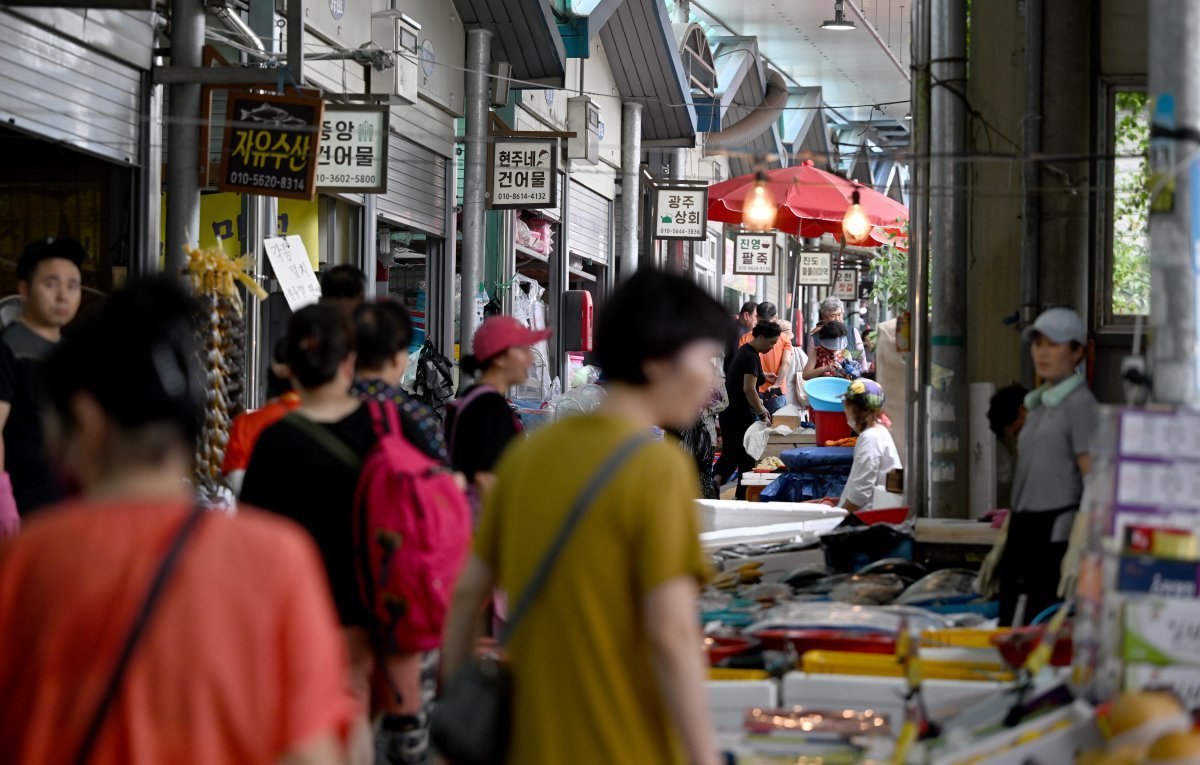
(754,254)
(271,145)
(290,261)
(522,173)
(845,285)
(681,213)
(816,269)
(354,149)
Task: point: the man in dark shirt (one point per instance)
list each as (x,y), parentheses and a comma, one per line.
(49,282)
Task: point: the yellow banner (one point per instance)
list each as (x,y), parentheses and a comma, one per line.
(221,221)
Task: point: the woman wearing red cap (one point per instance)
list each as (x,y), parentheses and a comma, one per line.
(480,423)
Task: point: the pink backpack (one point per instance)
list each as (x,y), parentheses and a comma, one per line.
(412,534)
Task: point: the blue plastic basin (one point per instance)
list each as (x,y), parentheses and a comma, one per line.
(825,393)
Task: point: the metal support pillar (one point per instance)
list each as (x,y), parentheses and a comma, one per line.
(439,295)
(295,39)
(1175,254)
(1031,211)
(559,284)
(631,187)
(147,188)
(948,420)
(479,60)
(369,246)
(183,150)
(260,216)
(916,475)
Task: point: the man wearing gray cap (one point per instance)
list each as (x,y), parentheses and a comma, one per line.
(1053,457)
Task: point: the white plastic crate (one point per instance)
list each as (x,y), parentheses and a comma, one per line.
(728,700)
(721,514)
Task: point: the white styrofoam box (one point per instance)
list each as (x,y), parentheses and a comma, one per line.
(1162,631)
(720,514)
(881,694)
(728,700)
(1040,740)
(776,566)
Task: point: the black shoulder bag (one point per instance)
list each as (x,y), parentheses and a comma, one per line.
(150,602)
(471,722)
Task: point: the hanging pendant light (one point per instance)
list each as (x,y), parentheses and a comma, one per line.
(759,208)
(856,226)
(838,23)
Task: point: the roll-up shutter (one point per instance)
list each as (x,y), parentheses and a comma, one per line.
(54,87)
(589,231)
(416,194)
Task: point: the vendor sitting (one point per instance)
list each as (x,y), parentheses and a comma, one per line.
(875,454)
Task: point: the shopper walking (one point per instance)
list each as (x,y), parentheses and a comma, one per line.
(875,454)
(49,282)
(480,424)
(239,658)
(776,363)
(248,426)
(344,286)
(384,333)
(1053,458)
(619,605)
(746,406)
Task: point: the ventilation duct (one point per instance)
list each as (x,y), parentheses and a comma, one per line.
(757,122)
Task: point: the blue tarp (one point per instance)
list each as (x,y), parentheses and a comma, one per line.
(803,487)
(825,459)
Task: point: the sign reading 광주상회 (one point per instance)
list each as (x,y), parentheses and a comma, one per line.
(754,254)
(271,145)
(845,285)
(681,213)
(522,173)
(816,269)
(354,149)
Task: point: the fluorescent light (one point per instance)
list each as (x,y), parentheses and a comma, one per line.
(838,23)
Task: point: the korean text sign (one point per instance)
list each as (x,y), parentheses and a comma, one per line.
(681,213)
(294,271)
(271,145)
(354,149)
(523,173)
(845,286)
(754,254)
(816,269)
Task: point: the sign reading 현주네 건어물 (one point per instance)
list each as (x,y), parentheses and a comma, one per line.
(271,145)
(289,260)
(681,213)
(754,254)
(354,149)
(845,285)
(523,173)
(816,269)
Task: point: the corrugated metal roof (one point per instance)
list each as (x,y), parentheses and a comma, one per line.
(741,85)
(644,57)
(526,36)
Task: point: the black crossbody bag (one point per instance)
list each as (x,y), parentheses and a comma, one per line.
(471,722)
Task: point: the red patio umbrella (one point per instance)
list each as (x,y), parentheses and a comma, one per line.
(811,202)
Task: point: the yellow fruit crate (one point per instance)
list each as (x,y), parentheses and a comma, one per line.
(718,673)
(884,665)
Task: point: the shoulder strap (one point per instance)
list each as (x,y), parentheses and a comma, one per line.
(328,441)
(460,406)
(169,563)
(583,502)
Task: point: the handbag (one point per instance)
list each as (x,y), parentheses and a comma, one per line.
(470,724)
(150,602)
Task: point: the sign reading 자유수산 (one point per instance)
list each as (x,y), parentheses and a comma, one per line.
(754,254)
(289,260)
(816,269)
(845,285)
(271,145)
(354,149)
(523,173)
(681,213)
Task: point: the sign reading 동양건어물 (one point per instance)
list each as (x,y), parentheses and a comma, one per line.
(272,144)
(681,213)
(522,173)
(354,149)
(754,254)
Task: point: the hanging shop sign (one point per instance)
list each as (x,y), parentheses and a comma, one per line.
(816,269)
(271,145)
(681,213)
(289,260)
(845,285)
(354,150)
(522,173)
(754,254)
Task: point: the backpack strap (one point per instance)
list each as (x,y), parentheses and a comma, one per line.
(384,417)
(460,405)
(335,446)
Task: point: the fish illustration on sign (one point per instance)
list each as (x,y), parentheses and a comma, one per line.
(272,116)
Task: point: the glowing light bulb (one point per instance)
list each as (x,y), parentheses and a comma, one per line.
(856,226)
(759,209)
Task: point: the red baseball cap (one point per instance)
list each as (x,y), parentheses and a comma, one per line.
(499,333)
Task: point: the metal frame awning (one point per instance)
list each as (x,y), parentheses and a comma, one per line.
(526,36)
(643,54)
(741,86)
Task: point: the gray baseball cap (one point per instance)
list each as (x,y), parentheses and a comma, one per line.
(1058,325)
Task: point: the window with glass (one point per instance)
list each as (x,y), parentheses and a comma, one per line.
(1127,283)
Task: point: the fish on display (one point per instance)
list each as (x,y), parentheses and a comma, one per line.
(272,116)
(807,574)
(902,567)
(868,590)
(947,583)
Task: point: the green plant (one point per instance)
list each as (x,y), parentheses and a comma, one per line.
(1131,206)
